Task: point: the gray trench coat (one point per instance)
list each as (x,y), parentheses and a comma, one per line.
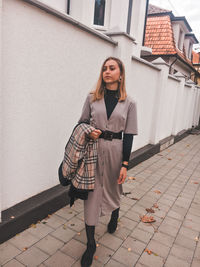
(106,196)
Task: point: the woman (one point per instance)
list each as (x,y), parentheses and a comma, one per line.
(111,112)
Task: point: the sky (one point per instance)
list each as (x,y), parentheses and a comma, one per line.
(188,8)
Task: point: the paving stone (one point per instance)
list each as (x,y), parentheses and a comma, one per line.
(193,218)
(175,223)
(54,221)
(138,209)
(74,249)
(168,229)
(197,252)
(124,207)
(66,213)
(110,241)
(135,245)
(185,242)
(13,263)
(158,248)
(100,230)
(148,227)
(164,239)
(132,216)
(104,219)
(175,215)
(173,261)
(151,260)
(76,224)
(192,225)
(126,257)
(63,234)
(7,252)
(23,240)
(81,236)
(59,259)
(103,254)
(141,235)
(49,244)
(40,230)
(78,206)
(127,223)
(189,233)
(195,263)
(122,232)
(182,253)
(32,257)
(113,263)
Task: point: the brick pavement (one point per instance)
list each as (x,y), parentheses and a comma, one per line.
(171,179)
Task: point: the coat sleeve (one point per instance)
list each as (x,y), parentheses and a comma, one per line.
(131,121)
(86,111)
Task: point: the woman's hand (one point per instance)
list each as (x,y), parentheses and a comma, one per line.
(95,134)
(122,175)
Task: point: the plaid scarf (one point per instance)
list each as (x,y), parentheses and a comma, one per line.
(80,158)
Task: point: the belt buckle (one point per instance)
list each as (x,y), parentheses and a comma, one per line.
(108,135)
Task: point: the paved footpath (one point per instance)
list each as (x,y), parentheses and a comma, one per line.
(169,182)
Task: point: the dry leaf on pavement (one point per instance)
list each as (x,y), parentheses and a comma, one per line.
(196,239)
(147,219)
(157,191)
(134,198)
(155,205)
(129,249)
(96,257)
(150,210)
(148,251)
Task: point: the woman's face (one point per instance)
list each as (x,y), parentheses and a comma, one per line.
(111,72)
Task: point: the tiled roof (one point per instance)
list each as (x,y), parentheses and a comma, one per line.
(195,58)
(156,10)
(159,35)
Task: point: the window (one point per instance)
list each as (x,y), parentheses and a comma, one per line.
(180,40)
(68,7)
(99,12)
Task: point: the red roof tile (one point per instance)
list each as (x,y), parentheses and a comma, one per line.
(159,35)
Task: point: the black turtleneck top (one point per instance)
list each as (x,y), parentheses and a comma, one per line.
(111,100)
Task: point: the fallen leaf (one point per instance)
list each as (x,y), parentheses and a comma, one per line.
(148,251)
(134,198)
(155,205)
(147,219)
(196,239)
(44,222)
(49,215)
(169,158)
(195,183)
(150,210)
(33,225)
(79,233)
(72,224)
(70,212)
(96,257)
(157,191)
(97,245)
(131,178)
(64,226)
(129,249)
(188,145)
(25,248)
(12,217)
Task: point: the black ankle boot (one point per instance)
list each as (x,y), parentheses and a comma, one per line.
(112,225)
(87,257)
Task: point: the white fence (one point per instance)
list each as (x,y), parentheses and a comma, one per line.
(48,67)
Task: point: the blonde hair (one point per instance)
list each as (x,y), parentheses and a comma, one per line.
(98,93)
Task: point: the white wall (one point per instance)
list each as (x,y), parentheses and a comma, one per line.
(49,66)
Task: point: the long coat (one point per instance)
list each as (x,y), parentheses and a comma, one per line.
(106,196)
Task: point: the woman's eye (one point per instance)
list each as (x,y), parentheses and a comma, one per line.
(112,68)
(104,69)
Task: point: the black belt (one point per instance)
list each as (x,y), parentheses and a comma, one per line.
(110,135)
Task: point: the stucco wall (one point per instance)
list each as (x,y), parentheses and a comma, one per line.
(49,66)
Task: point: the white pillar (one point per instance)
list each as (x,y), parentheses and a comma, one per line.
(159,98)
(1,118)
(179,103)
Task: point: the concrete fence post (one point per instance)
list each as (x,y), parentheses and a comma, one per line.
(179,100)
(159,98)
